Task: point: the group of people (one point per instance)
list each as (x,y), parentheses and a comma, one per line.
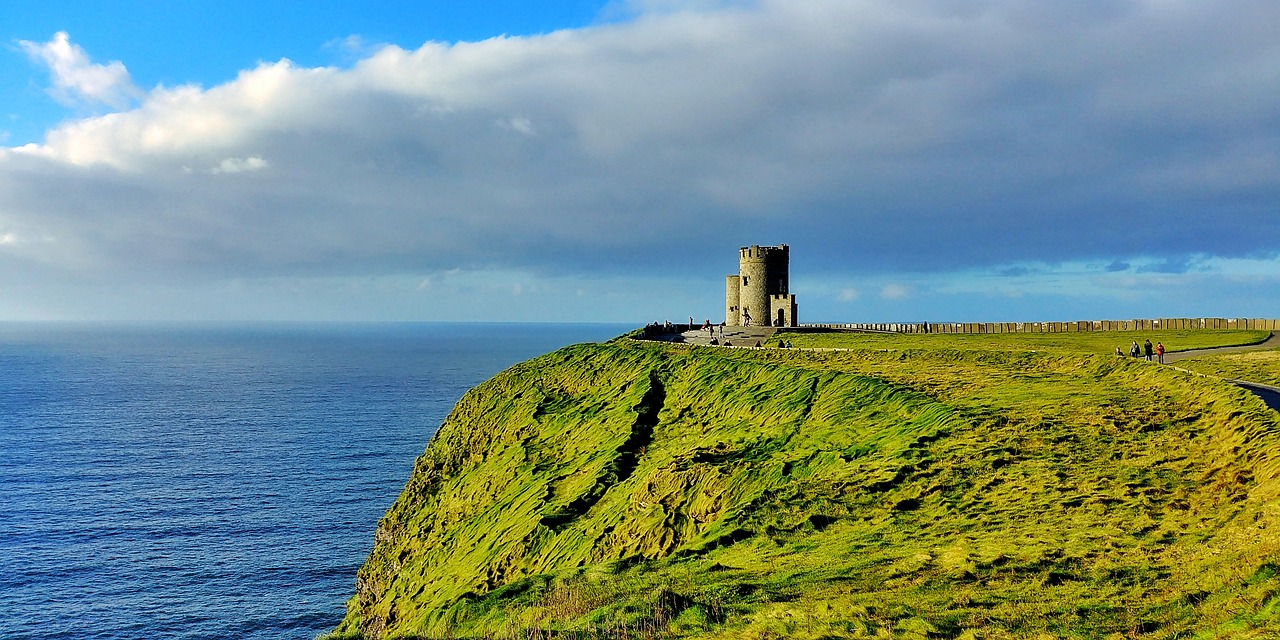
(1146,349)
(710,328)
(656,329)
(716,333)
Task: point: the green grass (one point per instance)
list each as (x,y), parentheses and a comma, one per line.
(1255,366)
(931,489)
(1104,342)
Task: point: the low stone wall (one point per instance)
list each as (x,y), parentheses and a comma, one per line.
(1056,327)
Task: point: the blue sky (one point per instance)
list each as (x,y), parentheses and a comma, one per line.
(209,43)
(604,160)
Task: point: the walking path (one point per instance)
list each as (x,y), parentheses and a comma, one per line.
(1173,356)
(1269,394)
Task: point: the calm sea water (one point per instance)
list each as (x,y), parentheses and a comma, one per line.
(216,481)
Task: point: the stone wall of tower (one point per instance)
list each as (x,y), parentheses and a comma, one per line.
(763,277)
(753,267)
(784,311)
(732,308)
(777,268)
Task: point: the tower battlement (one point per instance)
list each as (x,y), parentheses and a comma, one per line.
(757,252)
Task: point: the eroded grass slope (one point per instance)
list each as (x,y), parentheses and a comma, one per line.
(630,490)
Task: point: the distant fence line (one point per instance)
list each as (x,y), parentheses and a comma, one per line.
(1058,327)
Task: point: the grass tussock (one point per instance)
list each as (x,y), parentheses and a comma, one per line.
(656,491)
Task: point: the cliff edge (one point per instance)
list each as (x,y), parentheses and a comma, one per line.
(640,490)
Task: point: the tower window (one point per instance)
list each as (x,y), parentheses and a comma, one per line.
(744,281)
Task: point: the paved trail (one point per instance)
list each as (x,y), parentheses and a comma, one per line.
(1268,393)
(1271,343)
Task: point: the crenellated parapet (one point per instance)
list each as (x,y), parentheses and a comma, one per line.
(759,293)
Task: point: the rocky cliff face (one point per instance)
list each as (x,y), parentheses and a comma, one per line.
(654,491)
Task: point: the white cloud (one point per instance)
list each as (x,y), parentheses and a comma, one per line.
(519,125)
(895,292)
(847,294)
(240,165)
(353,44)
(76,79)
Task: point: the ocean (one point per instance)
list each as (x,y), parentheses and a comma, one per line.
(217,481)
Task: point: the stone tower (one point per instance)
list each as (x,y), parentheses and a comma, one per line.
(759,290)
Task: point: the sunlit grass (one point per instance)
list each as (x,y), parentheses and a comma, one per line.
(930,489)
(1255,366)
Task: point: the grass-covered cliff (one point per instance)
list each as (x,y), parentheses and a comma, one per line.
(641,490)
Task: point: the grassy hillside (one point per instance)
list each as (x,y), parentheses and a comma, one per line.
(638,490)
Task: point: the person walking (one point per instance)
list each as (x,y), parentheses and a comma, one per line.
(1160,351)
(1147,349)
(1134,349)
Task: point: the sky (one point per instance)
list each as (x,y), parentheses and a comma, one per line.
(991,160)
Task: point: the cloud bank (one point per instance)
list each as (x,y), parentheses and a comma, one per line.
(916,136)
